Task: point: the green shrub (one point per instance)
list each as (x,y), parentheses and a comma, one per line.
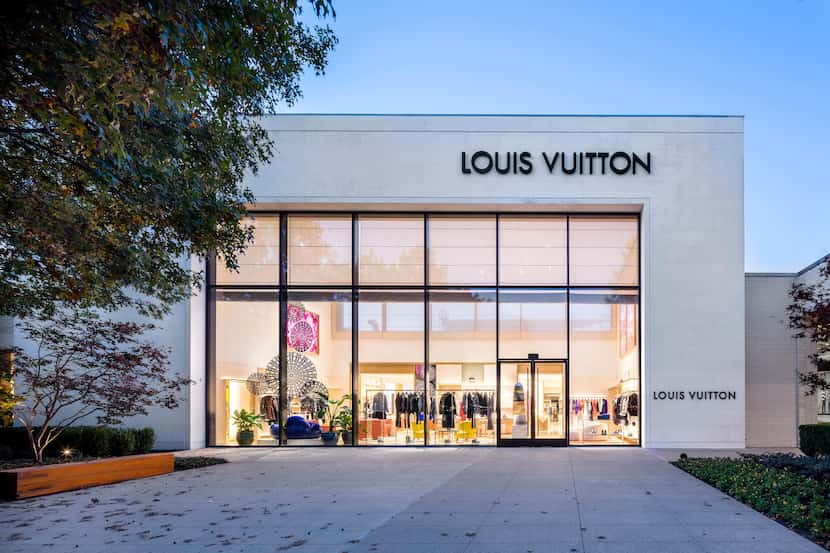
(94,441)
(817,468)
(88,441)
(14,443)
(122,442)
(799,502)
(814,439)
(144,439)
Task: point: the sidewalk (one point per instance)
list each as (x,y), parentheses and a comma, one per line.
(478,500)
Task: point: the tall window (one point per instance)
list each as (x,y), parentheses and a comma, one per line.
(404,319)
(391,250)
(260,264)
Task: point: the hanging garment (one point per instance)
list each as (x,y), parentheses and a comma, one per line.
(268,408)
(633,405)
(396,402)
(518,392)
(491,408)
(447,408)
(380,406)
(412,407)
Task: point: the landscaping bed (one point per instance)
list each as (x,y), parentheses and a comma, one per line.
(187,463)
(773,487)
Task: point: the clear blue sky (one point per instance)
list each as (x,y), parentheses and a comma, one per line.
(768,61)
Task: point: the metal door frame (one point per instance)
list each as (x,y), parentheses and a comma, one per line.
(533,441)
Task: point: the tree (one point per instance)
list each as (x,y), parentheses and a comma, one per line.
(126,127)
(809,317)
(84,366)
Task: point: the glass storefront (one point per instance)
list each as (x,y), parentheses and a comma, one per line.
(429,329)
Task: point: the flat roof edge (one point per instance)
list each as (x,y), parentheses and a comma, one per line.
(813,265)
(772,275)
(323,114)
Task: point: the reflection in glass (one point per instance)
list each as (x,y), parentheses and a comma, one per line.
(462,250)
(515,401)
(550,400)
(319,364)
(391,250)
(246,342)
(391,371)
(319,249)
(604,367)
(451,401)
(604,251)
(462,350)
(261,260)
(532,321)
(532,250)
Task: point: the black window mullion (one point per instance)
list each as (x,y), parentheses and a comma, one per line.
(426,332)
(355,333)
(282,324)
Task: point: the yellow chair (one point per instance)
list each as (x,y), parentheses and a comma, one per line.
(466,431)
(418,431)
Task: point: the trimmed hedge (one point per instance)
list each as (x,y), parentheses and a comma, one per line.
(88,441)
(797,501)
(817,468)
(814,439)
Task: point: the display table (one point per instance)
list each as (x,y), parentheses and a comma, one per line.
(375,428)
(446,435)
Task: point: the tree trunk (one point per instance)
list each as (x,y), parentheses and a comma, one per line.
(37,449)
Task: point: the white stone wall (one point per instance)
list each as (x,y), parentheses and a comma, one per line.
(183,332)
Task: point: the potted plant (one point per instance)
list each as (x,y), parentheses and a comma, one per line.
(331,409)
(344,424)
(245,422)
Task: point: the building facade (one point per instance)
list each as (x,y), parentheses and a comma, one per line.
(481,280)
(489,280)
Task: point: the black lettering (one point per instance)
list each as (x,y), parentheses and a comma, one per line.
(733,395)
(551,163)
(617,170)
(572,170)
(581,159)
(602,156)
(527,165)
(638,161)
(464,169)
(503,170)
(590,156)
(515,164)
(478,155)
(682,395)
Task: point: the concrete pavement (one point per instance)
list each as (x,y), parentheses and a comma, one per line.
(396,500)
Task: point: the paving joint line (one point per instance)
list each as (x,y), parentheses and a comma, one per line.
(578,502)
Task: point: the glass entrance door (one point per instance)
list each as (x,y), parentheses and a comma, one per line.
(532,403)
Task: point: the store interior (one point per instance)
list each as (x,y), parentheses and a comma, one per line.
(586,337)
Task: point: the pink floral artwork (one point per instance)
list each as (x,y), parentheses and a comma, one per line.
(303,330)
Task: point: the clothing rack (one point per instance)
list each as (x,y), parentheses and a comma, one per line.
(588,396)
